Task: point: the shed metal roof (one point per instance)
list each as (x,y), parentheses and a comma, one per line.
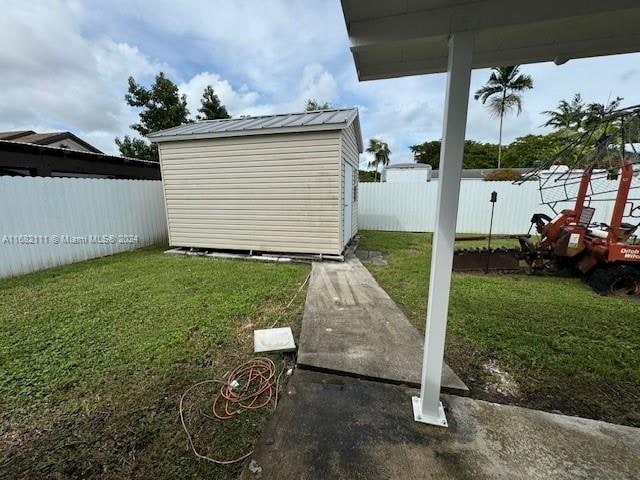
(330,119)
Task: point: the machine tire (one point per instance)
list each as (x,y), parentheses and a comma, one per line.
(616,280)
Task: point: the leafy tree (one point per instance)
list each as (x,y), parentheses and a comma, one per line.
(503,91)
(366,176)
(427,153)
(534,150)
(476,154)
(313,104)
(479,155)
(632,129)
(568,114)
(161,107)
(211,107)
(136,148)
(381,152)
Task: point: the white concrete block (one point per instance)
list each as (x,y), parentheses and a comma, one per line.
(273,340)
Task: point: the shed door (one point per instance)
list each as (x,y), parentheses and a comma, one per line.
(348,203)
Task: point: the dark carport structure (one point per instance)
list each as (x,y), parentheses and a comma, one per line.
(26,159)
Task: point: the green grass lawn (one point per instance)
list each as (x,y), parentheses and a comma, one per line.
(94,357)
(566,348)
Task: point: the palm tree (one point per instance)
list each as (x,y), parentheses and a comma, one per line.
(381,152)
(568,114)
(503,90)
(595,112)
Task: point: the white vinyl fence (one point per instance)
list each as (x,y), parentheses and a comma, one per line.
(45,222)
(411,207)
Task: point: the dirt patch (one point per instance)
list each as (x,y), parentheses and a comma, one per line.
(485,375)
(12,439)
(489,380)
(499,380)
(371,256)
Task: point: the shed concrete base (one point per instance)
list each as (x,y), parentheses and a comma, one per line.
(329,426)
(352,326)
(259,257)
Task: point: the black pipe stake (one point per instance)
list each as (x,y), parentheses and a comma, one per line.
(494,199)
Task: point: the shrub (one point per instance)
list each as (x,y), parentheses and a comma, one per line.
(503,175)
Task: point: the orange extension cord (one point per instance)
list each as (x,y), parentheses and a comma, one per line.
(250,386)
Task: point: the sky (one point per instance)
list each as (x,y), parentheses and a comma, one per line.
(64,66)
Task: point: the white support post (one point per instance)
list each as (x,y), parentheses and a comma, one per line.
(427,408)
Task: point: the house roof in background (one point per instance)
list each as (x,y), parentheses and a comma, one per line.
(29,136)
(407,166)
(318,120)
(15,134)
(392,39)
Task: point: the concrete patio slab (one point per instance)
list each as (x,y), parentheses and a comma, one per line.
(350,325)
(329,426)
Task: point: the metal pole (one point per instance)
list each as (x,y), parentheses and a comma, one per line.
(427,408)
(494,199)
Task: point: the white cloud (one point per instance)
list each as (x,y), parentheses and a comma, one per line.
(315,82)
(65,63)
(401,112)
(265,44)
(55,78)
(318,84)
(58,77)
(238,102)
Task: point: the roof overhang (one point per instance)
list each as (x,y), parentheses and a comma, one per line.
(409,37)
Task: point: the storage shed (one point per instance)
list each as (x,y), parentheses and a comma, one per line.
(276,183)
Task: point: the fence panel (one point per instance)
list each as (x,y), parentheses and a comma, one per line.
(411,207)
(74,219)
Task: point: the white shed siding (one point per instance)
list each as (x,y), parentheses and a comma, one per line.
(351,154)
(342,193)
(278,192)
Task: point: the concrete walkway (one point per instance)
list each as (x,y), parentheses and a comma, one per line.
(343,428)
(352,326)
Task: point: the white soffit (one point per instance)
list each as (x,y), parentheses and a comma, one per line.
(409,37)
